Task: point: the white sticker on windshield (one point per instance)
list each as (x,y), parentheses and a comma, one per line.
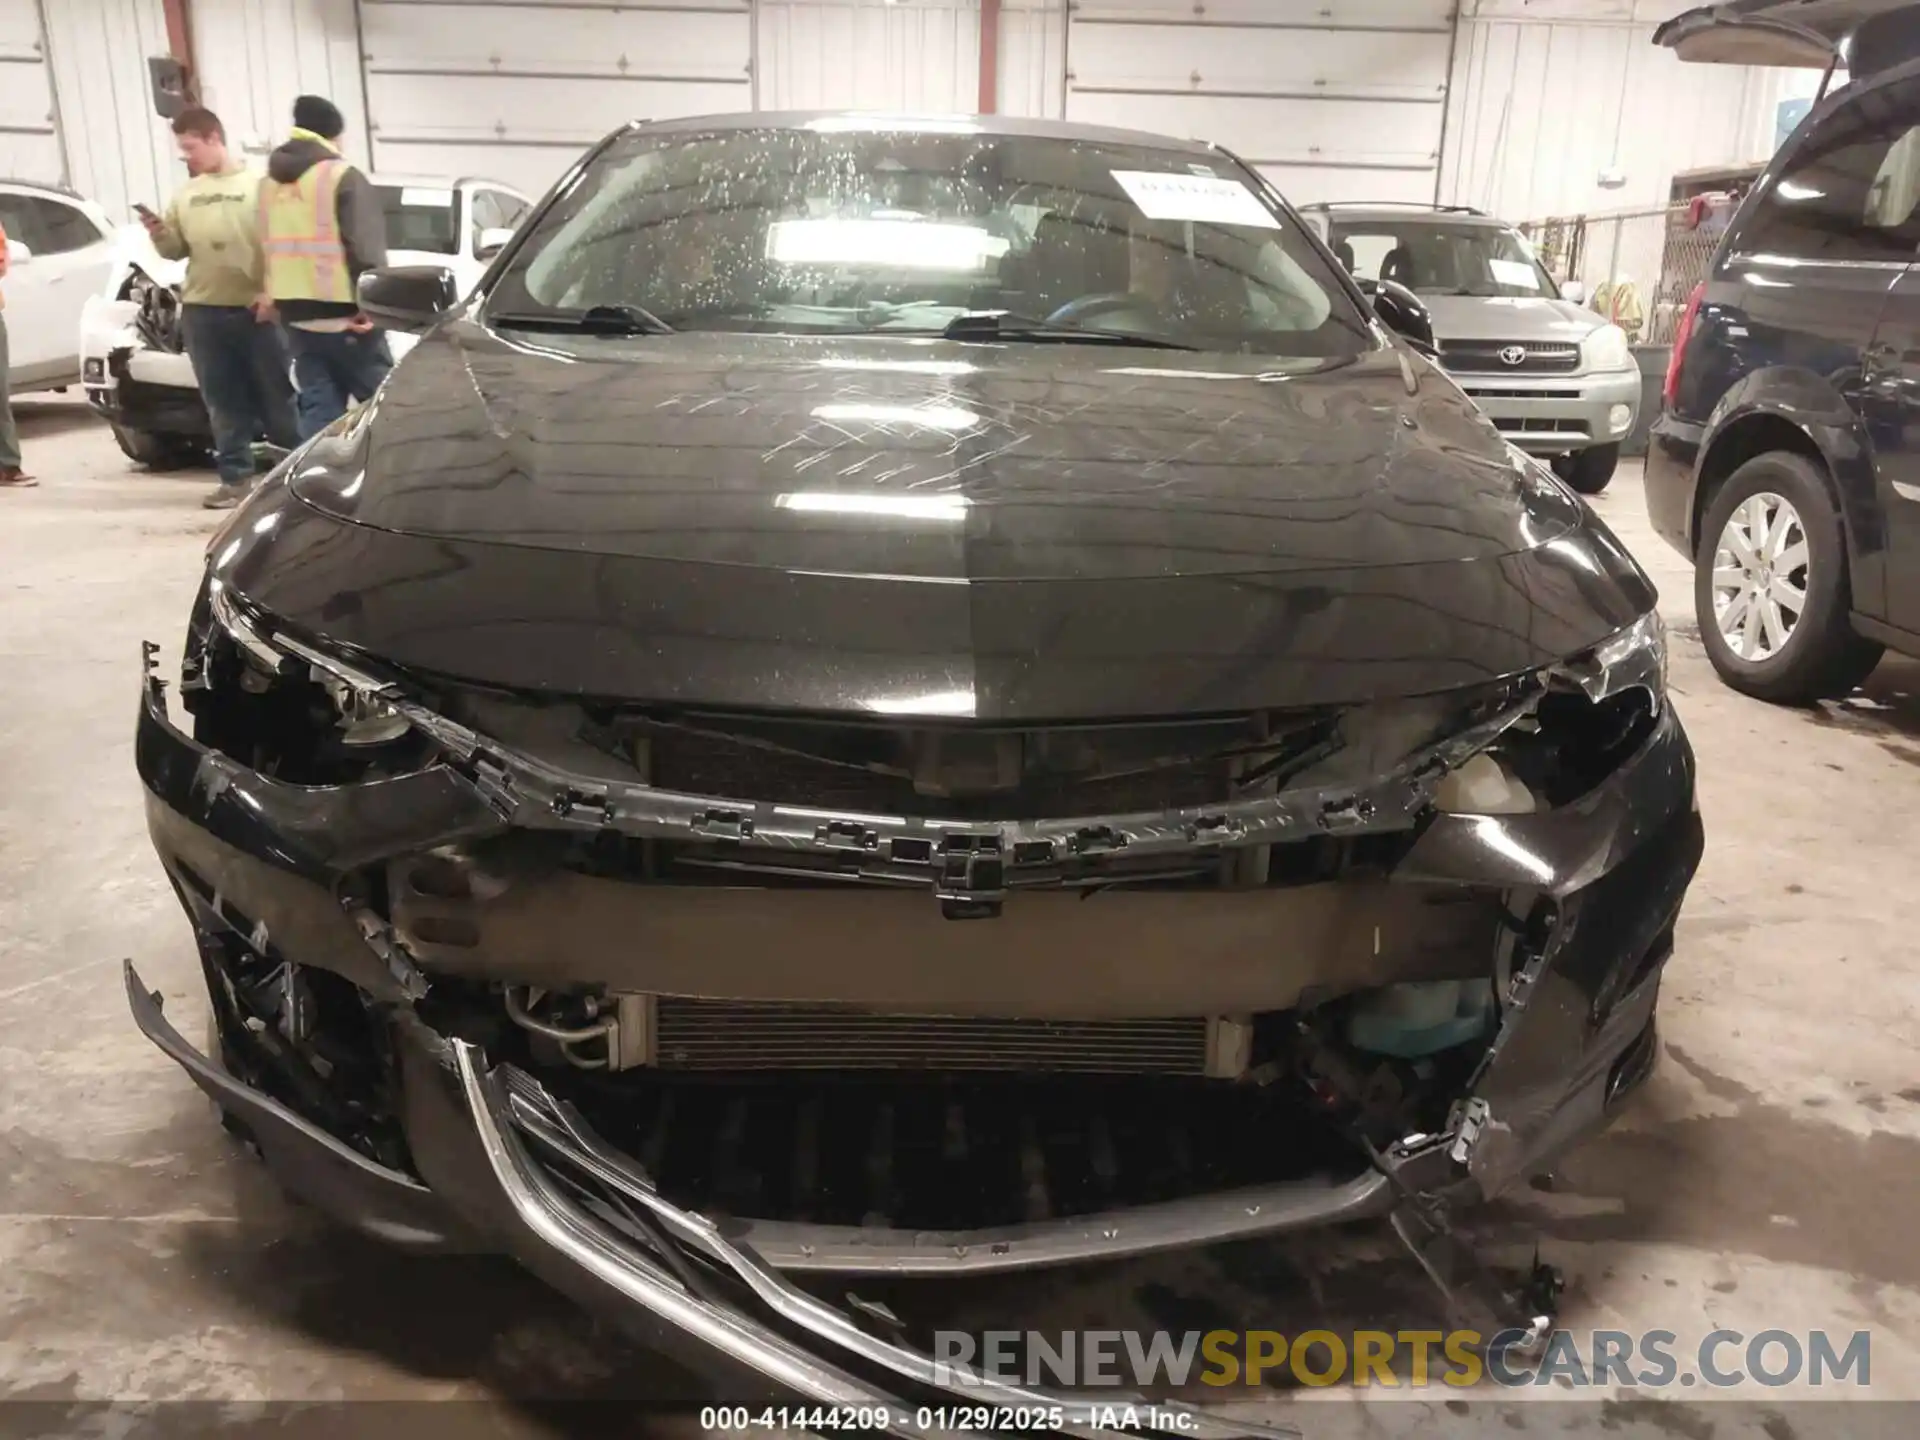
(424,197)
(1208,199)
(1514,272)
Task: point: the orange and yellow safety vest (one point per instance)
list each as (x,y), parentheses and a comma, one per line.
(300,234)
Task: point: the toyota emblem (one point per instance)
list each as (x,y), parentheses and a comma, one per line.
(1512,354)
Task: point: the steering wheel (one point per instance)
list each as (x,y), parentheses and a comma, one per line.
(1097,307)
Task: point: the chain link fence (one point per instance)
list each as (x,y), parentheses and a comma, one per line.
(1637,266)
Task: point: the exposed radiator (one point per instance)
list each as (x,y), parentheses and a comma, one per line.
(746,1036)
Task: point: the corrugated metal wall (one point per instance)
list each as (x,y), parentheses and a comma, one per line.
(1338,100)
(867,55)
(1542,103)
(254,58)
(1033,58)
(922,57)
(117,150)
(29,143)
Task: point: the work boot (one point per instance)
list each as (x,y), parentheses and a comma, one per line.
(17,478)
(224,497)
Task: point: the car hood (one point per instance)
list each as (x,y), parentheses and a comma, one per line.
(1508,317)
(933,461)
(133,249)
(838,523)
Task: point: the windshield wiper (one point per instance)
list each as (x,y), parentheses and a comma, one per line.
(595,320)
(1006,325)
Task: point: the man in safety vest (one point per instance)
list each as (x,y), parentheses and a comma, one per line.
(321,226)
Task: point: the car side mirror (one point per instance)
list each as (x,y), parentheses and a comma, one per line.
(18,254)
(1573,290)
(492,241)
(407,297)
(1400,311)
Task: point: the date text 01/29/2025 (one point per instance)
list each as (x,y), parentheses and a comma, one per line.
(1150,1419)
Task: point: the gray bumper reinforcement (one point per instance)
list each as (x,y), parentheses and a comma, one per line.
(506,1103)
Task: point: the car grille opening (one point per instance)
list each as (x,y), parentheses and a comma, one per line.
(952,1153)
(747,1036)
(1489,357)
(978,775)
(1507,425)
(1483,392)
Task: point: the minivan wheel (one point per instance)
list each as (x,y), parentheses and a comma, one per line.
(1589,470)
(1771,588)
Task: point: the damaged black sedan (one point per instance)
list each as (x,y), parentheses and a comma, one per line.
(912,699)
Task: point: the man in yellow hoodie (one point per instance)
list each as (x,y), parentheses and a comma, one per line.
(238,355)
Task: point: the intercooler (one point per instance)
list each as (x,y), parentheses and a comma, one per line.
(737,1036)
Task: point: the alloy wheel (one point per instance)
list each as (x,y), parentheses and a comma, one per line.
(1760,576)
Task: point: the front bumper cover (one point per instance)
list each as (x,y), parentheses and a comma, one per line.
(130,382)
(1553,414)
(1577,1036)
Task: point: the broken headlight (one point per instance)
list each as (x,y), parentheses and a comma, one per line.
(288,708)
(1635,657)
(1597,710)
(366,717)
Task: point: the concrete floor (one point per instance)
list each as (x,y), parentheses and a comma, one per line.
(1769,1177)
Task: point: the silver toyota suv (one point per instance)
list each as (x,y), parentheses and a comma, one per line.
(1555,378)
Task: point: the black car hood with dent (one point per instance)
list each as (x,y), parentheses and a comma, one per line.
(894,526)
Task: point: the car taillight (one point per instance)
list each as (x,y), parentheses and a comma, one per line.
(1671,388)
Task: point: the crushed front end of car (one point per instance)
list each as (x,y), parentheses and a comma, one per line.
(134,364)
(680,1004)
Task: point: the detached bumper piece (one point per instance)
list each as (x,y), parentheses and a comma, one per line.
(585,1217)
(455,1003)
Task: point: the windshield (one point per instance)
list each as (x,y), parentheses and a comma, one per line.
(839,230)
(1433,257)
(420,217)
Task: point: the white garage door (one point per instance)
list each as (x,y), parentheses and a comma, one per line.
(29,145)
(515,89)
(1336,100)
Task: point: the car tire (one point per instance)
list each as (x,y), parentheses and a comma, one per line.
(1740,590)
(155,450)
(1589,470)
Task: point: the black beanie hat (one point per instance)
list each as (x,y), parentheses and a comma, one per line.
(320,115)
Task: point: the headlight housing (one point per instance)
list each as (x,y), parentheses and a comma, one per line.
(1606,348)
(1630,657)
(1598,709)
(297,712)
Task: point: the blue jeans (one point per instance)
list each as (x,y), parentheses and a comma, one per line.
(333,369)
(241,365)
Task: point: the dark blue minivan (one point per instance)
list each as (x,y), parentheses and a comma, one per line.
(1786,462)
